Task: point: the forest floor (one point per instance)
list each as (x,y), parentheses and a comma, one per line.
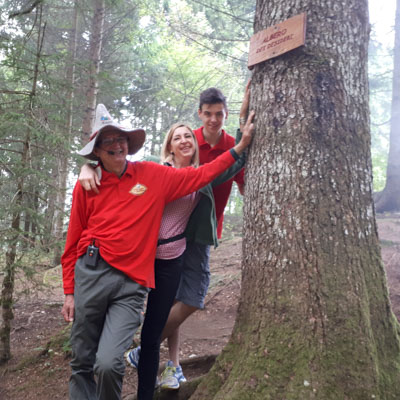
(39,369)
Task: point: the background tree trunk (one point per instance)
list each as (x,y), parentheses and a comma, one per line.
(7,291)
(389,198)
(62,161)
(314,319)
(94,65)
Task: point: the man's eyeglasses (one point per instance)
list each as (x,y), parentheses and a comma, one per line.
(110,141)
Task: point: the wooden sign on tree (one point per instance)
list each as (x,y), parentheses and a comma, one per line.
(277,39)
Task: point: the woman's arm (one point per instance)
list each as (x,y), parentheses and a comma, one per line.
(247,134)
(232,171)
(88,178)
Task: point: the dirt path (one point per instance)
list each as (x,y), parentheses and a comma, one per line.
(37,319)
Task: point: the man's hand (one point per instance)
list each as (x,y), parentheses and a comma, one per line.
(68,308)
(88,178)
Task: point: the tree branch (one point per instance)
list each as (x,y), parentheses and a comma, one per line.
(26,10)
(5,91)
(247,21)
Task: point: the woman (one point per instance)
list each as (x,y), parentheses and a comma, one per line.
(180,149)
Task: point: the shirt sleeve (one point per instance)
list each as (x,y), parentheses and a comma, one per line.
(239,177)
(77,223)
(182,181)
(230,172)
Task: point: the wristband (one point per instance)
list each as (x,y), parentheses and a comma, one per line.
(242,120)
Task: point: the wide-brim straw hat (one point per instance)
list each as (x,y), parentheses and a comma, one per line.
(105,123)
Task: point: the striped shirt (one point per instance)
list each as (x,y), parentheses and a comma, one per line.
(175,218)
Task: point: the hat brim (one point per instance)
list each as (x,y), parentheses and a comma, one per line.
(136,139)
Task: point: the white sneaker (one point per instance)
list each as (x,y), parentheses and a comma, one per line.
(171,377)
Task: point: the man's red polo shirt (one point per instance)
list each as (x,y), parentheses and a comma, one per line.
(124,219)
(207,154)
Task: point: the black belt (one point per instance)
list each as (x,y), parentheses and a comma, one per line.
(171,239)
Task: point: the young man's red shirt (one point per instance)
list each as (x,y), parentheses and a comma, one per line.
(207,154)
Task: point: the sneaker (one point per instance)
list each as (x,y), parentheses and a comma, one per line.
(171,377)
(179,374)
(132,357)
(157,383)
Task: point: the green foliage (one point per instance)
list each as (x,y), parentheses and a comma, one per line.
(173,67)
(156,58)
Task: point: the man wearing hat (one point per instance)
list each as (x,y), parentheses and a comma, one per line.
(108,262)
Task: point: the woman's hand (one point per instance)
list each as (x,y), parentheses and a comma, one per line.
(247,134)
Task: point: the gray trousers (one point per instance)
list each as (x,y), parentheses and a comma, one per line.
(108,311)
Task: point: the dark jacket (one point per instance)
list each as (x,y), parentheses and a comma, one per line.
(202,224)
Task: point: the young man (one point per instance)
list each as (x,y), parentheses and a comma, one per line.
(108,262)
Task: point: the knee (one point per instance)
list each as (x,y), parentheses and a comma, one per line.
(109,365)
(184,311)
(179,314)
(82,360)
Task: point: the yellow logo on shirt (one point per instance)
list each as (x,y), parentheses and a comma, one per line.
(138,189)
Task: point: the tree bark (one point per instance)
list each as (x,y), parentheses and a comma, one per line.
(95,58)
(389,198)
(314,319)
(7,291)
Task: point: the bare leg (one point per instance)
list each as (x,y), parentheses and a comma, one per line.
(173,346)
(178,314)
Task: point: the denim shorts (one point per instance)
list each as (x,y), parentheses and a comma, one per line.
(195,277)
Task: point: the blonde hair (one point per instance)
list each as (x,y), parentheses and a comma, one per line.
(167,156)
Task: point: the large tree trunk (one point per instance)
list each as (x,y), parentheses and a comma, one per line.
(96,41)
(389,198)
(314,319)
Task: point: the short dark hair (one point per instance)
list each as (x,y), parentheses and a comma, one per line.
(212,96)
